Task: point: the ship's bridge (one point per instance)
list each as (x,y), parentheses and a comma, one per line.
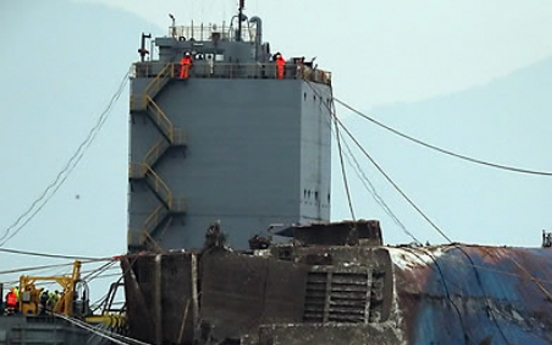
(221,51)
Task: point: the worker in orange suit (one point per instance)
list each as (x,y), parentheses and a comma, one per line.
(280,65)
(11,302)
(185,66)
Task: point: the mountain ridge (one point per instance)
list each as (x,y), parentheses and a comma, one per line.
(505,121)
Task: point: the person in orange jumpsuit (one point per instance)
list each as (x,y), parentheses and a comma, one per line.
(185,65)
(280,65)
(11,301)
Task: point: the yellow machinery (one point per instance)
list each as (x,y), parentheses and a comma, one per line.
(30,304)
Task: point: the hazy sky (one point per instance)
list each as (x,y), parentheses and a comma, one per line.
(391,50)
(381,53)
(388,52)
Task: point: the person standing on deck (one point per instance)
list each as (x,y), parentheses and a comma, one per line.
(185,65)
(280,66)
(43,306)
(11,301)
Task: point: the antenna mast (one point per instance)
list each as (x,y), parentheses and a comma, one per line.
(240,18)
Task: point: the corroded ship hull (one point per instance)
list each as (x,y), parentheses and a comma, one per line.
(342,291)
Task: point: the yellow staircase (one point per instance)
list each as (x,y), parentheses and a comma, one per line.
(170,136)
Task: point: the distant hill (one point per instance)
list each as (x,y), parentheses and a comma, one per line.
(506,121)
(61,62)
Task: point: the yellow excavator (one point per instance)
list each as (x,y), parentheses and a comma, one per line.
(71,300)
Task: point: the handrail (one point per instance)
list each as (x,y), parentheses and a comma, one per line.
(136,170)
(158,185)
(161,77)
(213,69)
(161,118)
(156,151)
(154,218)
(138,98)
(179,136)
(179,205)
(144,237)
(144,169)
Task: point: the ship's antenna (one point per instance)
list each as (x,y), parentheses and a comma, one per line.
(240,16)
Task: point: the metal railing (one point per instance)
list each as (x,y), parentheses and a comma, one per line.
(143,170)
(213,69)
(180,137)
(160,118)
(156,151)
(204,32)
(158,186)
(136,170)
(160,80)
(170,136)
(145,101)
(154,219)
(137,102)
(179,206)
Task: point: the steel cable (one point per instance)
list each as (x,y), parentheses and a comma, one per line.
(53,256)
(441,150)
(343,172)
(397,188)
(337,121)
(66,170)
(369,186)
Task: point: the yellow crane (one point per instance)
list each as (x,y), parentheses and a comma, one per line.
(68,302)
(29,300)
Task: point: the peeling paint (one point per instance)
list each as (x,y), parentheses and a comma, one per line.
(406,259)
(310,294)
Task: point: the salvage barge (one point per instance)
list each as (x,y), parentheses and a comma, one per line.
(237,142)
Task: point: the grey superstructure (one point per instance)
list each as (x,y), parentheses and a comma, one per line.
(231,143)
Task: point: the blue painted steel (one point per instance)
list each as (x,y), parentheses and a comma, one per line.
(481,295)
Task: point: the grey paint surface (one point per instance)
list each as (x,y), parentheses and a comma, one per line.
(258,153)
(315,152)
(44,330)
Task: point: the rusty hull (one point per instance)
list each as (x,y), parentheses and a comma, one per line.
(464,294)
(305,293)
